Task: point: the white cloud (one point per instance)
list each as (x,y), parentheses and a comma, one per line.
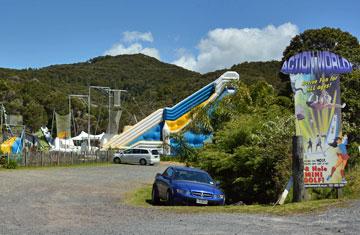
(134,36)
(124,46)
(185,60)
(222,48)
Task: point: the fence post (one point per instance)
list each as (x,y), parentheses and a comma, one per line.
(298,168)
(339,193)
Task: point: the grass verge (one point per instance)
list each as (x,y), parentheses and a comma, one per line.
(141,197)
(352,188)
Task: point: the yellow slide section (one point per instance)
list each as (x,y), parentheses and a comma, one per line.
(185,119)
(6,146)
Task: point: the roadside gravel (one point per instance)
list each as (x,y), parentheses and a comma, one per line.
(89,200)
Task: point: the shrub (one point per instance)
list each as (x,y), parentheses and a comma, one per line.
(170,158)
(251,150)
(11,164)
(3,160)
(251,159)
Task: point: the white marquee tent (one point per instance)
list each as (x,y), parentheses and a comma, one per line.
(84,136)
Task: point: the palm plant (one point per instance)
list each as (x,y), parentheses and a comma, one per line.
(182,149)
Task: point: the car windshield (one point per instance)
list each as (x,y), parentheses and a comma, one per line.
(193,176)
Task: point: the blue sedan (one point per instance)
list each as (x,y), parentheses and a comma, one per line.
(186,186)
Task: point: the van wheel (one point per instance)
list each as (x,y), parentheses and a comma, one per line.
(117,160)
(142,162)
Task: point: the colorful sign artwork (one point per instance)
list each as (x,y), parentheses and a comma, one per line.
(314,77)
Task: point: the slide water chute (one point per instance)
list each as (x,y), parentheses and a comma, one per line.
(17,146)
(149,132)
(135,131)
(42,141)
(47,136)
(12,145)
(6,147)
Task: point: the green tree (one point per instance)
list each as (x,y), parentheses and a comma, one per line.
(34,115)
(182,149)
(251,156)
(331,39)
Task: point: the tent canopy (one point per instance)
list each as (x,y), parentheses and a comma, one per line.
(84,136)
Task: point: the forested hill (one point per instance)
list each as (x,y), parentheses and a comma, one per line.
(151,84)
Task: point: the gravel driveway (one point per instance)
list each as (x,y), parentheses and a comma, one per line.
(88,200)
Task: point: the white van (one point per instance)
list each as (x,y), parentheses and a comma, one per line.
(134,156)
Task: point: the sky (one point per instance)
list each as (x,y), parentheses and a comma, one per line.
(200,35)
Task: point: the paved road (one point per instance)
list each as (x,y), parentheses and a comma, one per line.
(89,200)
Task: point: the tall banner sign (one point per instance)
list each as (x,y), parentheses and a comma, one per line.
(314,77)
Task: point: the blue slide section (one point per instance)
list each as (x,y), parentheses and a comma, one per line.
(196,140)
(190,102)
(154,134)
(224,93)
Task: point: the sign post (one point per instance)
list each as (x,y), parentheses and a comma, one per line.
(298,169)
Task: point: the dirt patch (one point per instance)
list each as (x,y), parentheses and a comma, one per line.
(89,200)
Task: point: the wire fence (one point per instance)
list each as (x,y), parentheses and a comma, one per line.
(38,159)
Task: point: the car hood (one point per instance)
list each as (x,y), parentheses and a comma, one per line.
(195,186)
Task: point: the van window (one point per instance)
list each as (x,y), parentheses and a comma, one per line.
(128,151)
(143,151)
(154,152)
(136,151)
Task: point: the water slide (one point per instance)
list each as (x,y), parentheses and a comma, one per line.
(139,128)
(148,131)
(13,145)
(178,116)
(7,146)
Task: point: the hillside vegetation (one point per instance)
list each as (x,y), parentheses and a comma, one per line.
(151,84)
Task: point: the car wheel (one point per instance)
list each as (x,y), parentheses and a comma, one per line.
(117,160)
(142,162)
(155,200)
(169,198)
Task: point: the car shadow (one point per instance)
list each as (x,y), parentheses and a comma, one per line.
(132,164)
(161,203)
